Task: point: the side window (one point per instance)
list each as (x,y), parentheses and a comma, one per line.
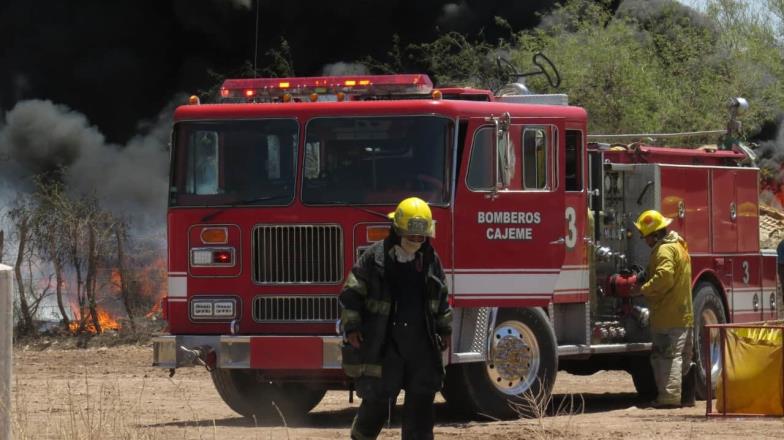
(574,160)
(535,158)
(480,166)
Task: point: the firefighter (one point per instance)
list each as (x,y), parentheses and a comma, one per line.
(668,291)
(396,322)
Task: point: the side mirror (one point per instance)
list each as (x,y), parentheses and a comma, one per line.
(502,152)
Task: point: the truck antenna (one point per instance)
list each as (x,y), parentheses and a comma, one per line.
(256,41)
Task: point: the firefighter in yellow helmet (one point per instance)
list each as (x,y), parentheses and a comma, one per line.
(668,291)
(396,322)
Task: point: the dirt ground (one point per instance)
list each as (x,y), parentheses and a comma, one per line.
(102,393)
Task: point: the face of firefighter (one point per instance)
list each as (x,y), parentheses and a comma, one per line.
(411,243)
(651,239)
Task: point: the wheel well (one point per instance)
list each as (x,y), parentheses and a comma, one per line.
(544,309)
(712,278)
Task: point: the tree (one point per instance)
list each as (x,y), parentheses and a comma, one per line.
(121,235)
(21,217)
(100,226)
(281,61)
(25,216)
(647,67)
(51,235)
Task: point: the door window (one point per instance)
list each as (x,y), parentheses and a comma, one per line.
(574,160)
(535,158)
(480,166)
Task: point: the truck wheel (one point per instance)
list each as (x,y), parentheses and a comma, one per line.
(708,309)
(642,376)
(457,399)
(245,393)
(517,378)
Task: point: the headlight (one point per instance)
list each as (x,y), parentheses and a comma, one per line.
(212,257)
(206,309)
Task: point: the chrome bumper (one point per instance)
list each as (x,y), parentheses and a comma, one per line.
(236,352)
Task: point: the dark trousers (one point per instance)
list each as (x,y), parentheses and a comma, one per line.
(418,417)
(780,295)
(410,363)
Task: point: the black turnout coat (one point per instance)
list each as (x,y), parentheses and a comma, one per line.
(367,302)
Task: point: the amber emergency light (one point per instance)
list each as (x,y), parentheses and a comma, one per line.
(215,235)
(377,233)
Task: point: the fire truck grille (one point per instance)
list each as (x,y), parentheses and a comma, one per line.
(298,254)
(295,309)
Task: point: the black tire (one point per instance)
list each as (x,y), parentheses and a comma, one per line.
(251,397)
(457,400)
(708,309)
(495,388)
(642,375)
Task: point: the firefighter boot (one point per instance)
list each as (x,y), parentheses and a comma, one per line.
(688,384)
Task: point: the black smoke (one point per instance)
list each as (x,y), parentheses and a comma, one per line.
(39,138)
(87,87)
(121,61)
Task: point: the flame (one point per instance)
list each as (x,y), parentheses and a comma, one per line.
(115,281)
(105,320)
(154,285)
(154,312)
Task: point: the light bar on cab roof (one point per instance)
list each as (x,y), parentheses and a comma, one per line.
(326,87)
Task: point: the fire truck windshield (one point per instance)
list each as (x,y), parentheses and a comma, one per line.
(376,160)
(234,163)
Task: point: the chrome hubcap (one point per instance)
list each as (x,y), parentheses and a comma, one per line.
(514,358)
(709,317)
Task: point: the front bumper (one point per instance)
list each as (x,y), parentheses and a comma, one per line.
(254,352)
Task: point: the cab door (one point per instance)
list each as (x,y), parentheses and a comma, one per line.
(508,223)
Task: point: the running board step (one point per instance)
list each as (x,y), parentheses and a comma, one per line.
(581,350)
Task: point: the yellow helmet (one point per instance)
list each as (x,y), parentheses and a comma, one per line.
(651,221)
(413,217)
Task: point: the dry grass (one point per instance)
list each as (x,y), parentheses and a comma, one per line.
(81,410)
(547,418)
(86,410)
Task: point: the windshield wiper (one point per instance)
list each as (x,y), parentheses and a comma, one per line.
(246,202)
(351,205)
(281,196)
(261,199)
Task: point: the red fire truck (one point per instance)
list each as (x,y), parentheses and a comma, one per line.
(276,190)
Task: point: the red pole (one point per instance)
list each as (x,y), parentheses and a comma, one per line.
(723,341)
(706,355)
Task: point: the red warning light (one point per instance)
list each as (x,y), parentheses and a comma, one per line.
(222,257)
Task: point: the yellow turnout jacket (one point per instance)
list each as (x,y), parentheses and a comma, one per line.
(668,288)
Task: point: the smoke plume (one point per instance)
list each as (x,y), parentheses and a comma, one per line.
(121,61)
(40,137)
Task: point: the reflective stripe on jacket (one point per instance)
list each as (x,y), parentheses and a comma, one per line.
(668,289)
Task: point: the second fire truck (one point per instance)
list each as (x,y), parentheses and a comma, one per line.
(276,190)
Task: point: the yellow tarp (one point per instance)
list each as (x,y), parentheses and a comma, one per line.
(754,372)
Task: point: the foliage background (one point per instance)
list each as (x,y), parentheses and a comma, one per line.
(650,66)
